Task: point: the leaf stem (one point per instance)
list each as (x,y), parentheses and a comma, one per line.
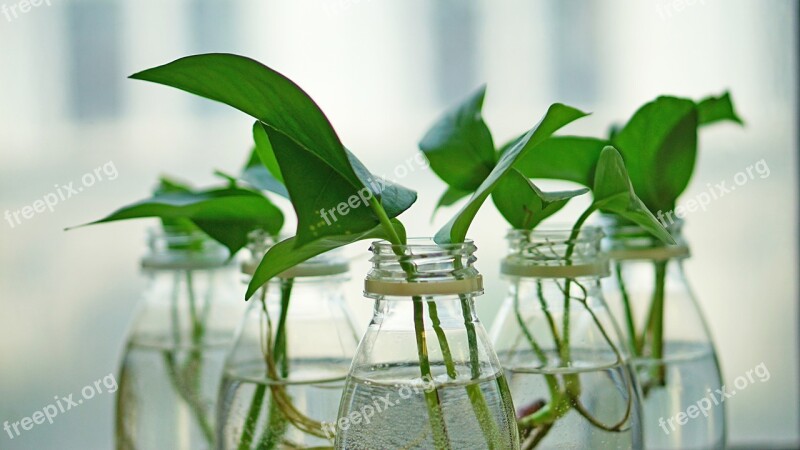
(626,303)
(432,401)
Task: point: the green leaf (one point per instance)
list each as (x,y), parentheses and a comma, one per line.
(394,199)
(256,174)
(659,146)
(318,171)
(261,92)
(320,194)
(326,203)
(568,158)
(170,185)
(290,253)
(226,215)
(716,109)
(263,155)
(459,146)
(614,193)
(260,178)
(557,116)
(523,204)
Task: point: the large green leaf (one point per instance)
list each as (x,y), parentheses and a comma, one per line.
(717,109)
(459,146)
(614,193)
(226,215)
(568,158)
(659,146)
(523,204)
(261,92)
(557,116)
(289,253)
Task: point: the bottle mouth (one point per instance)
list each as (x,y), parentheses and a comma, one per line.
(422,246)
(627,241)
(173,248)
(555,252)
(422,267)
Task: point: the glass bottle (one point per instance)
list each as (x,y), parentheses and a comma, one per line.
(425,375)
(567,366)
(173,360)
(285,375)
(670,343)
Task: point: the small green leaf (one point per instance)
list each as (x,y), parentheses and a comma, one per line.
(568,158)
(326,203)
(256,174)
(524,205)
(290,253)
(614,193)
(260,178)
(459,146)
(226,215)
(717,109)
(263,154)
(659,146)
(319,193)
(557,116)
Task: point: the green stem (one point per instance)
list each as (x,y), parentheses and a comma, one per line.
(248,431)
(657,323)
(565,348)
(552,381)
(276,421)
(477,399)
(447,355)
(187,379)
(440,439)
(633,341)
(432,400)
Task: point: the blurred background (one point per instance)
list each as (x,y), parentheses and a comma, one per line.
(382,70)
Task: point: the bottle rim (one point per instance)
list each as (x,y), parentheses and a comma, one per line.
(555,252)
(172,248)
(441,269)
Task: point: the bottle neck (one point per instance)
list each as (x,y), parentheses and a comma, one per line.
(172,249)
(625,241)
(422,269)
(555,254)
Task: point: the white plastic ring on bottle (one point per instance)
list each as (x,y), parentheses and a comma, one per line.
(652,254)
(423,288)
(598,269)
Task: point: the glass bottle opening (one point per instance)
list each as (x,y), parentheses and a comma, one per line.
(178,249)
(422,268)
(555,253)
(625,240)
